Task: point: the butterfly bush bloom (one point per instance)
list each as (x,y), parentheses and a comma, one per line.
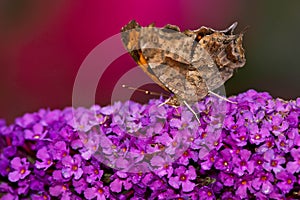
(183,177)
(247,150)
(20,167)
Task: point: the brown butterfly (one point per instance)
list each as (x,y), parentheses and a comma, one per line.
(188,64)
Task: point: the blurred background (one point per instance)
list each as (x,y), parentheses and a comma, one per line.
(43,43)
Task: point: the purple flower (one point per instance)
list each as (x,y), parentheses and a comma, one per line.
(263,182)
(242,186)
(36,133)
(94,173)
(4,166)
(37,184)
(276,124)
(48,117)
(26,120)
(257,135)
(227,179)
(283,144)
(187,121)
(274,161)
(183,177)
(294,167)
(286,182)
(229,196)
(7,193)
(9,151)
(240,136)
(164,166)
(268,144)
(80,185)
(18,138)
(44,155)
(206,193)
(121,179)
(223,162)
(23,186)
(60,190)
(20,167)
(40,196)
(59,150)
(231,124)
(254,155)
(72,166)
(242,163)
(91,142)
(258,161)
(99,191)
(186,156)
(209,160)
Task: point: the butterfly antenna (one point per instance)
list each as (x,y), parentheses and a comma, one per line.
(191,109)
(220,97)
(144,91)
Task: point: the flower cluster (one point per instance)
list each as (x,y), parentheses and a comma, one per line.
(244,150)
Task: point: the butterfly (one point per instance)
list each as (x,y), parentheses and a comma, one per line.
(188,64)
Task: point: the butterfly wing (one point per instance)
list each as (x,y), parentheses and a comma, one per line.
(188,64)
(131,34)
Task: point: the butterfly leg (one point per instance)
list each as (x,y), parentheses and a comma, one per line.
(165,102)
(219,96)
(191,109)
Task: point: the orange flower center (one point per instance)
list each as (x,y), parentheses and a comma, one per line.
(275,128)
(36,136)
(203,135)
(185,153)
(259,162)
(7,169)
(263,178)
(174,144)
(282,144)
(182,177)
(100,191)
(274,163)
(243,163)
(74,167)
